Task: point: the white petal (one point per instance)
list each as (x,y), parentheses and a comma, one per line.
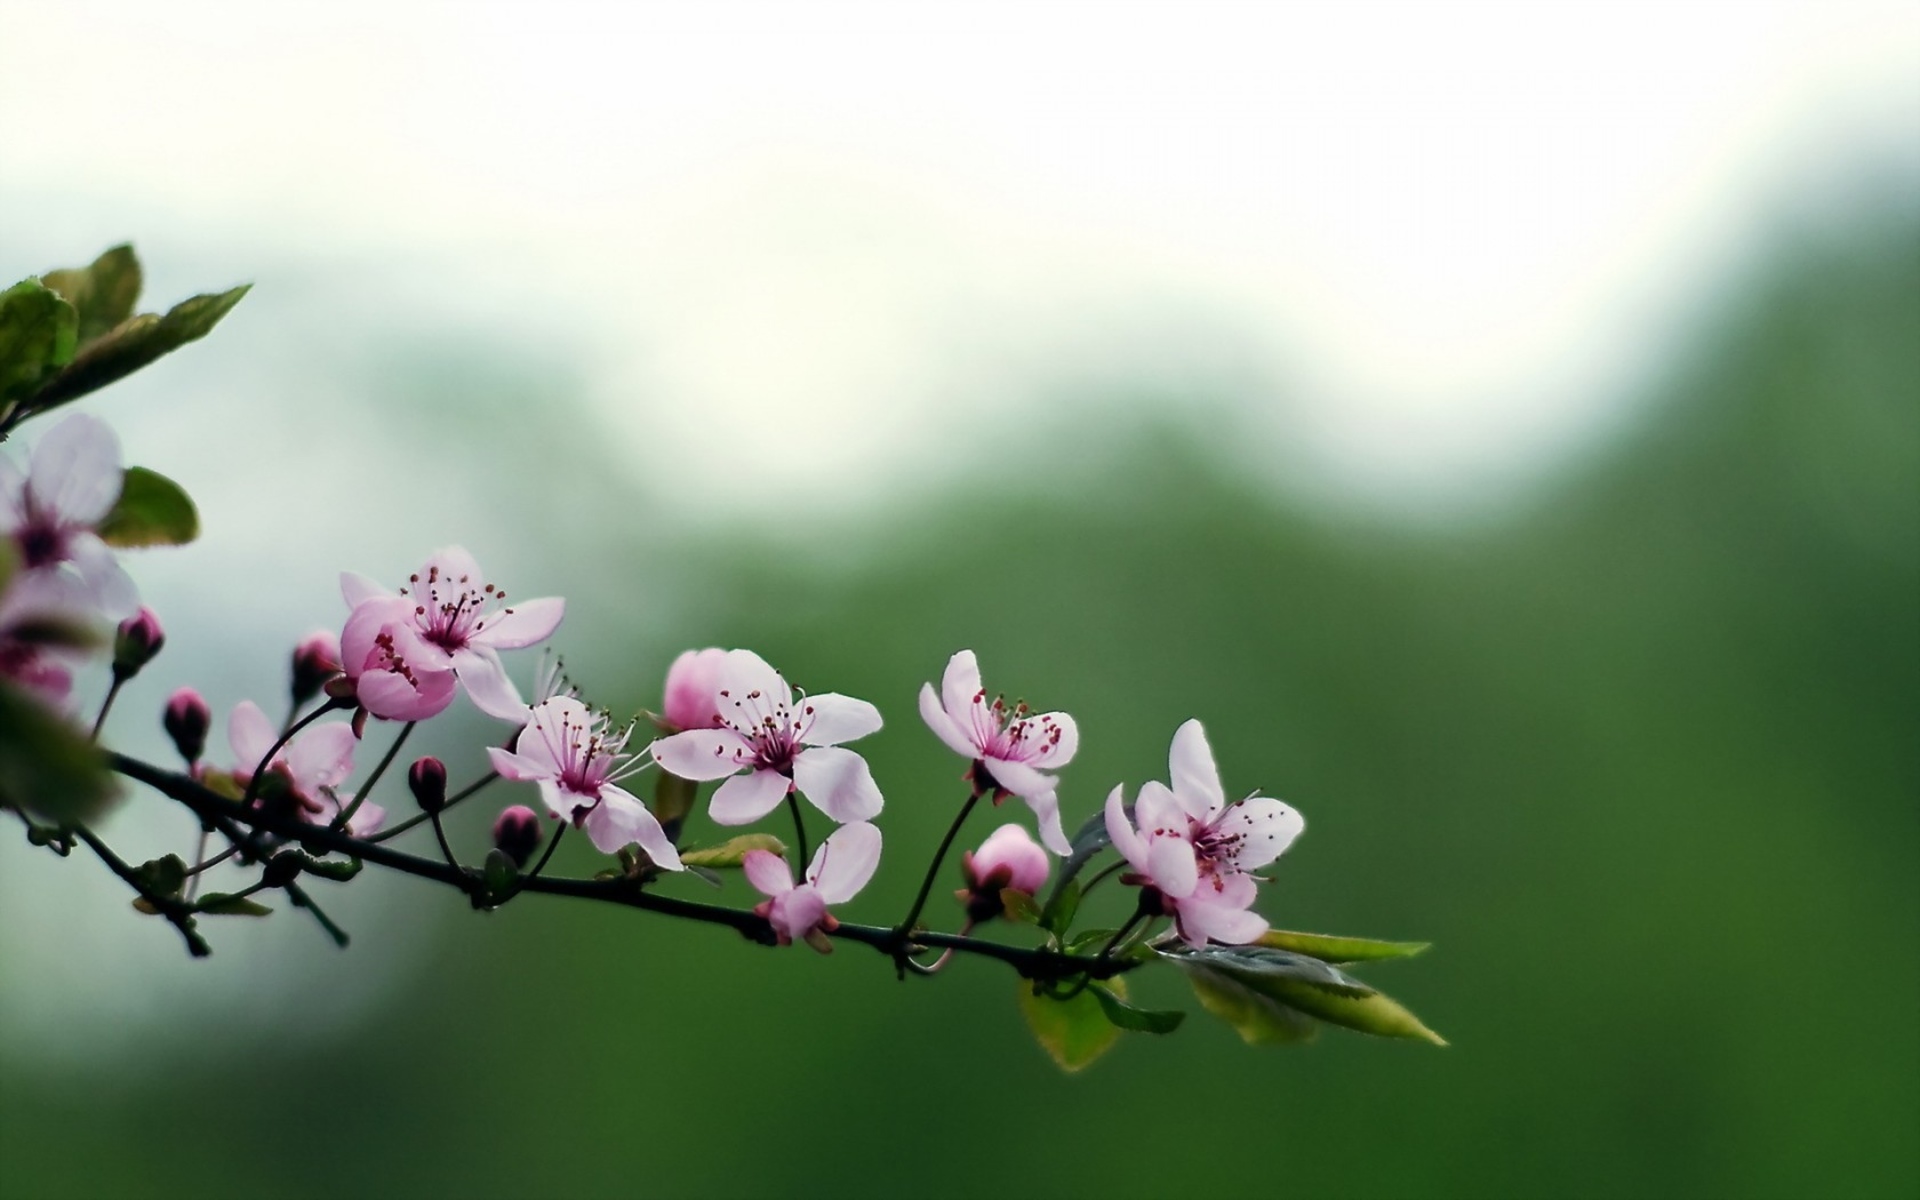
(960,688)
(250,734)
(1121,833)
(488,684)
(455,565)
(1157,809)
(701,754)
(74,472)
(746,798)
(357,589)
(797,913)
(845,861)
(830,718)
(1018,778)
(767,872)
(1202,920)
(1265,827)
(1171,866)
(13,489)
(559,801)
(1054,753)
(838,782)
(508,765)
(943,726)
(1046,812)
(741,674)
(111,588)
(529,623)
(321,756)
(1195,780)
(627,818)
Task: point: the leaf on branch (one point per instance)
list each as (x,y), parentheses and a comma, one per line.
(152,511)
(134,343)
(330,868)
(103,294)
(1019,906)
(1124,1015)
(732,852)
(47,767)
(162,876)
(1073,1032)
(1062,906)
(1303,984)
(223,904)
(1341,949)
(1088,840)
(1259,1019)
(39,332)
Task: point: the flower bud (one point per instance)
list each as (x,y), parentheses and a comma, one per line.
(136,642)
(1009,858)
(315,660)
(516,834)
(187,719)
(692,681)
(428,779)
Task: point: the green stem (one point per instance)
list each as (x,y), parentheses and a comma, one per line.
(926,887)
(171,909)
(106,705)
(394,831)
(260,768)
(379,769)
(800,836)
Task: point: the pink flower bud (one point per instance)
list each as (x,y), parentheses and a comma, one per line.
(427,777)
(315,660)
(692,681)
(516,832)
(136,642)
(187,719)
(1009,858)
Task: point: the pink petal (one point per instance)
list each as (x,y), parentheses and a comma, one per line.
(797,913)
(386,694)
(560,802)
(1171,865)
(74,473)
(690,702)
(111,589)
(1195,780)
(838,782)
(364,626)
(1201,921)
(357,589)
(1121,834)
(845,861)
(943,726)
(767,872)
(702,754)
(741,674)
(250,734)
(1046,812)
(1055,754)
(455,564)
(367,819)
(1018,777)
(321,756)
(1157,808)
(487,684)
(960,686)
(530,622)
(508,765)
(746,798)
(830,718)
(620,818)
(1266,828)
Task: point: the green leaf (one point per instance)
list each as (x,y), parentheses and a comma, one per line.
(1124,1015)
(104,294)
(1259,1019)
(1019,906)
(1089,941)
(1073,1032)
(47,766)
(152,511)
(499,872)
(1061,908)
(1307,986)
(1341,949)
(673,799)
(733,852)
(223,904)
(134,343)
(38,334)
(1088,840)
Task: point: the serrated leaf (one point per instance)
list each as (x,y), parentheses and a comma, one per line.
(152,511)
(103,293)
(1340,949)
(39,332)
(733,851)
(1124,1015)
(134,343)
(223,904)
(48,767)
(1309,986)
(1073,1032)
(1062,907)
(1260,1020)
(1019,906)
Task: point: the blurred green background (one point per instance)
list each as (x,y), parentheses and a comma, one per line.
(1636,752)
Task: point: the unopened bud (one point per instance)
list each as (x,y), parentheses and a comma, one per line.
(428,779)
(136,642)
(516,833)
(283,868)
(1009,858)
(315,660)
(187,719)
(691,700)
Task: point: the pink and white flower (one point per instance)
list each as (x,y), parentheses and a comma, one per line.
(693,684)
(34,605)
(1195,850)
(72,480)
(1009,858)
(394,674)
(316,761)
(1009,747)
(459,623)
(841,867)
(578,759)
(782,744)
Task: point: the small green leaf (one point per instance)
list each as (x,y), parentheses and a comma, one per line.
(1124,1015)
(673,799)
(1088,840)
(732,852)
(104,293)
(47,766)
(1260,1020)
(38,334)
(1061,908)
(331,868)
(1308,986)
(1090,941)
(1340,949)
(133,344)
(224,904)
(1019,906)
(162,876)
(152,511)
(1073,1032)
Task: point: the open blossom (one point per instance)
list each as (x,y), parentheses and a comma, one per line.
(316,761)
(32,604)
(447,619)
(840,868)
(578,759)
(693,683)
(50,511)
(1195,850)
(1008,746)
(781,744)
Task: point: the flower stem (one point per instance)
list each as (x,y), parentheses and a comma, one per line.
(393,831)
(520,884)
(926,886)
(171,909)
(379,769)
(800,836)
(106,705)
(440,835)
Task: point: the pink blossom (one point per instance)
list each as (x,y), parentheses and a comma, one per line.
(578,760)
(186,718)
(693,680)
(1008,747)
(1196,850)
(840,868)
(33,603)
(516,833)
(394,674)
(51,511)
(1009,858)
(315,660)
(316,761)
(781,744)
(459,623)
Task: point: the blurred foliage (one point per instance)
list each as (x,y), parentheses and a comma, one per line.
(1639,761)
